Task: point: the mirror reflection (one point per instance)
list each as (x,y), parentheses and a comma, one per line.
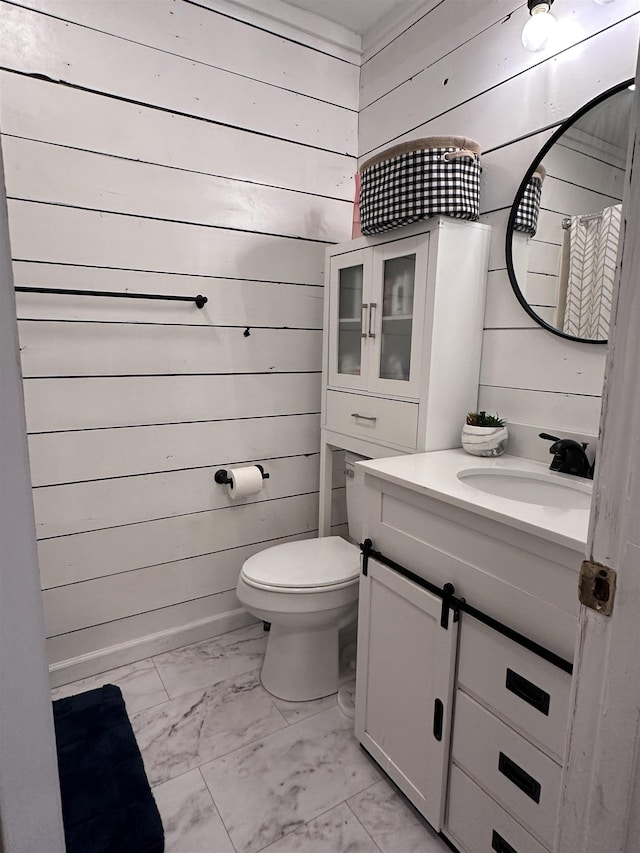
(564,228)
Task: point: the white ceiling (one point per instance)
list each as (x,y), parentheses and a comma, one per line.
(356,15)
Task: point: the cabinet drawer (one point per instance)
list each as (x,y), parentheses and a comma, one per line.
(527,691)
(380,420)
(477,824)
(513,771)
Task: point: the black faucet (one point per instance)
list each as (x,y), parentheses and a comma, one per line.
(569,456)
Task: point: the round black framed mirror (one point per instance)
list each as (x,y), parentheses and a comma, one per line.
(562,234)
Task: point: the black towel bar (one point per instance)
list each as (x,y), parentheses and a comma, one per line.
(200,300)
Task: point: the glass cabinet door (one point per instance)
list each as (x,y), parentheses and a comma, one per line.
(399,278)
(348,321)
(350,282)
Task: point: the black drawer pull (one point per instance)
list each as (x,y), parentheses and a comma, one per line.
(528,691)
(500,845)
(438,716)
(520,778)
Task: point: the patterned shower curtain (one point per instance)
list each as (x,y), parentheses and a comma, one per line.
(591,271)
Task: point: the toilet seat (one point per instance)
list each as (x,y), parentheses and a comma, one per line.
(306,566)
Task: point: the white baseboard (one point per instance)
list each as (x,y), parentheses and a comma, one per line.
(110,657)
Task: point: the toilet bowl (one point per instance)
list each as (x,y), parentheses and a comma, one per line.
(308,591)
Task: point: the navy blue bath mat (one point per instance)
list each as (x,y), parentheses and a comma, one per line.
(107,804)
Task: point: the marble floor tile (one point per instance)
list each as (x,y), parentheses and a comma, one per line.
(190,819)
(139,682)
(185,732)
(277,784)
(392,822)
(336,831)
(212,661)
(237,770)
(293,712)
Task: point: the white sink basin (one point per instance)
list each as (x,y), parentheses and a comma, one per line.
(529,487)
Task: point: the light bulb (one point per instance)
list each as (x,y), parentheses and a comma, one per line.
(539,28)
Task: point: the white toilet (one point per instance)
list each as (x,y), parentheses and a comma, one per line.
(308,591)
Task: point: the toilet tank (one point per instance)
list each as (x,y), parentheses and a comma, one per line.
(354,480)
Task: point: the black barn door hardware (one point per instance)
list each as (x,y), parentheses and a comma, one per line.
(458,605)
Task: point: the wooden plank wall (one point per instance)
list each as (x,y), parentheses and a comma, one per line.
(168,147)
(460,68)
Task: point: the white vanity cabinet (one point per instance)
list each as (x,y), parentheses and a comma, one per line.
(404,695)
(501,670)
(403,336)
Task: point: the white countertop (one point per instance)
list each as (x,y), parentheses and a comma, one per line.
(435,474)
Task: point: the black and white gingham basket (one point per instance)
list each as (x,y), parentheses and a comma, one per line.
(418,179)
(526,219)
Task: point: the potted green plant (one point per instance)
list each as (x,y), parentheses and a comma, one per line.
(484,435)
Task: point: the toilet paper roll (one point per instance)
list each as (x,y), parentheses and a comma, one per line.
(244,482)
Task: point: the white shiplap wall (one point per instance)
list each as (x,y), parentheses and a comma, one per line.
(170,146)
(167,146)
(460,68)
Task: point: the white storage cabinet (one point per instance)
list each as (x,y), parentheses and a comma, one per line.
(403,336)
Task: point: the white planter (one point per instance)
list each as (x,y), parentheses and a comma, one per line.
(484,441)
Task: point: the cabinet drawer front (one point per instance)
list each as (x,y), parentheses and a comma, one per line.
(477,824)
(513,771)
(373,418)
(527,691)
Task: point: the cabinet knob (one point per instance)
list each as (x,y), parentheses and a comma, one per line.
(363,417)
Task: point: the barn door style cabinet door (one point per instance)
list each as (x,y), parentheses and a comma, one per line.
(403,336)
(406,669)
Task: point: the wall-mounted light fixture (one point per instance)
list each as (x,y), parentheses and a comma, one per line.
(540,26)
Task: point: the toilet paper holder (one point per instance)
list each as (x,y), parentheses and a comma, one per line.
(222,476)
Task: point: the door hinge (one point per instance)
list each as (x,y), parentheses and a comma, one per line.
(597,587)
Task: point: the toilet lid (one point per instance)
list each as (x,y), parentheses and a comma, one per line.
(323,562)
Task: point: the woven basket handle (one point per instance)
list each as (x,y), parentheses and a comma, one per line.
(460,152)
